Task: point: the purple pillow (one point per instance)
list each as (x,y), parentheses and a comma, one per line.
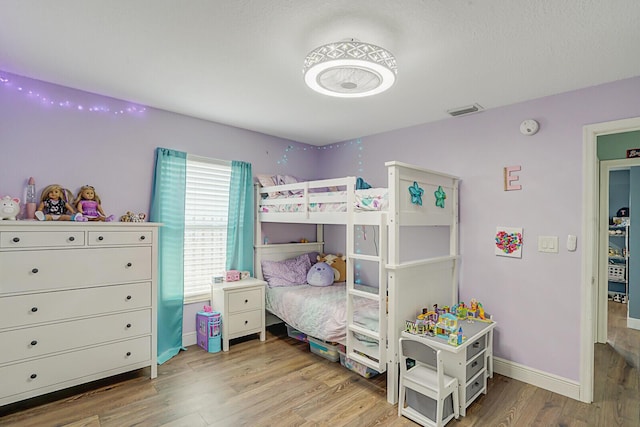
(290,272)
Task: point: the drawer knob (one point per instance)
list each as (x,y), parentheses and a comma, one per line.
(34,309)
(71,239)
(474,364)
(246,321)
(128,325)
(141,237)
(33,376)
(34,342)
(128,297)
(128,353)
(16,239)
(100,238)
(34,270)
(476,344)
(129,264)
(246,301)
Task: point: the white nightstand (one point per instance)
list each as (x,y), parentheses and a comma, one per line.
(241,305)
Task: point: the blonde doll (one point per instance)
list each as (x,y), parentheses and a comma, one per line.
(54,206)
(89,205)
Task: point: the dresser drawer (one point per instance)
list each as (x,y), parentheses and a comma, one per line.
(105,238)
(474,366)
(24,271)
(246,321)
(41,239)
(32,375)
(249,299)
(30,309)
(54,337)
(476,347)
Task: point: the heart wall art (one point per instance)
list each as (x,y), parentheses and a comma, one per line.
(508,242)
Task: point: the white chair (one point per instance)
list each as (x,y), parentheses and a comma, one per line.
(427,378)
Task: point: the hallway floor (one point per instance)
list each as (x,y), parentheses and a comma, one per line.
(625,341)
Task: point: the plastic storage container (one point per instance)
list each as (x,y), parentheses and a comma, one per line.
(327,350)
(209,330)
(296,334)
(357,367)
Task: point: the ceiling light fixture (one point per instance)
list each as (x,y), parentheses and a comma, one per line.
(350,69)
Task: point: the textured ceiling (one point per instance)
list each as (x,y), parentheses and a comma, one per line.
(239,62)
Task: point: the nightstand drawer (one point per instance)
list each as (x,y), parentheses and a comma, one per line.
(246,321)
(245,300)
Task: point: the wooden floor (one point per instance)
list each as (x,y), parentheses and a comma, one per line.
(624,340)
(280,383)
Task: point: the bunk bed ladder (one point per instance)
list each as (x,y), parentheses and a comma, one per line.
(370,351)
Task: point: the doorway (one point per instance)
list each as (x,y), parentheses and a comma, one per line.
(591,269)
(615,233)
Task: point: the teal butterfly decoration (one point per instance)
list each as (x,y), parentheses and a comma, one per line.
(416,194)
(440,196)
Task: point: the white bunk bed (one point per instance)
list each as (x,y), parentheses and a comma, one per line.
(403,287)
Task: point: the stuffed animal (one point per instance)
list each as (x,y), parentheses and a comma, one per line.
(337,263)
(320,274)
(131,217)
(9,208)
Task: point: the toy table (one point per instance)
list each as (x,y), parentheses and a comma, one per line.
(470,362)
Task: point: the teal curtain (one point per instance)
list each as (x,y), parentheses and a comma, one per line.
(240,226)
(167,208)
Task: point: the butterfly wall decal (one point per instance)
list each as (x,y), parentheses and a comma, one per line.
(416,194)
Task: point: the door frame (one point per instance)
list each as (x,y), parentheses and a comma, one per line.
(590,254)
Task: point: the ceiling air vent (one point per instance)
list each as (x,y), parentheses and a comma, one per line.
(465,110)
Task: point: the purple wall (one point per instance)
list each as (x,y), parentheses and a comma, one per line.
(536,299)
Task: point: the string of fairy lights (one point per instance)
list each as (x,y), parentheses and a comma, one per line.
(40,95)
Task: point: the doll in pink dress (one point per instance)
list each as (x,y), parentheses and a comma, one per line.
(89,205)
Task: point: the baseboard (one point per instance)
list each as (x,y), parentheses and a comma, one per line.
(537,378)
(190,338)
(633,323)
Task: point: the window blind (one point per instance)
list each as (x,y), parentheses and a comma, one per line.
(205,231)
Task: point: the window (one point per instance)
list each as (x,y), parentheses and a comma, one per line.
(205,227)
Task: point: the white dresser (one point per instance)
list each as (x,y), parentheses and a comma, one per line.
(241,305)
(77,303)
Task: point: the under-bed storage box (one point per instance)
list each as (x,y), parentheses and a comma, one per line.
(325,349)
(357,367)
(296,334)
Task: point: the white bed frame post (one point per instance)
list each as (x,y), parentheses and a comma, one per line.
(393,368)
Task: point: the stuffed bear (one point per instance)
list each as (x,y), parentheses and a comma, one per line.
(337,263)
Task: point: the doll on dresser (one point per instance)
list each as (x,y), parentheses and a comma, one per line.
(89,205)
(55,207)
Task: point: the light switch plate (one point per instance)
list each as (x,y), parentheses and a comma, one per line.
(572,242)
(548,244)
